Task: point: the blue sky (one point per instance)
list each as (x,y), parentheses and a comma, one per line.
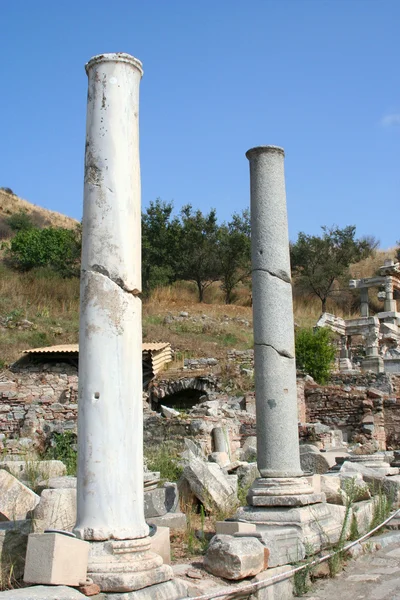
(318,77)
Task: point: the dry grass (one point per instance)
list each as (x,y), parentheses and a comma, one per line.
(52,305)
(48,301)
(10,204)
(369,266)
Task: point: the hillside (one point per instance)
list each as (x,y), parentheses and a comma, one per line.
(42,217)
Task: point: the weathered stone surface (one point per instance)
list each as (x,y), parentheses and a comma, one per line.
(16,500)
(56,510)
(42,592)
(209,484)
(160,544)
(235,558)
(175,521)
(170,590)
(221,458)
(337,487)
(56,559)
(232,527)
(312,460)
(56,483)
(283,590)
(37,470)
(247,473)
(161,500)
(13,543)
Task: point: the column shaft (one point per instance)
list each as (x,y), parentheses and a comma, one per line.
(274,353)
(110,421)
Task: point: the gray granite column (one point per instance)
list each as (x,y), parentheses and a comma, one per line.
(278,456)
(110,511)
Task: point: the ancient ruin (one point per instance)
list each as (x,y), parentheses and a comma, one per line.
(381,332)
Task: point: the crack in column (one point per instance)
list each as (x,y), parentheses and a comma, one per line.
(282,275)
(283,353)
(117,280)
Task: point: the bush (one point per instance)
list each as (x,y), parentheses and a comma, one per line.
(63,447)
(315,353)
(19,221)
(56,248)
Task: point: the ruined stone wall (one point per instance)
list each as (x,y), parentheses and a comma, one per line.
(35,402)
(364,404)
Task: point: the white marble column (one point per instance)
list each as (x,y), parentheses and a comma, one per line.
(110,510)
(278,455)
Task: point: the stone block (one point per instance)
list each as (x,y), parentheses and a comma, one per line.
(161,500)
(170,590)
(160,544)
(247,473)
(34,471)
(221,458)
(175,521)
(210,485)
(56,559)
(284,545)
(56,483)
(312,460)
(235,558)
(16,500)
(56,510)
(232,527)
(282,590)
(42,592)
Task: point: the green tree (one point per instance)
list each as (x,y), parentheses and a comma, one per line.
(198,248)
(56,248)
(315,353)
(234,252)
(319,261)
(161,235)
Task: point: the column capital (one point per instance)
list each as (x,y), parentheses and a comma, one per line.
(120,57)
(264,150)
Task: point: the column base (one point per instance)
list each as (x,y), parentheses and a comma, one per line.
(126,565)
(316,526)
(282,491)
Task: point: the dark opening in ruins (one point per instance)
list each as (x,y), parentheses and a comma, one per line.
(183,400)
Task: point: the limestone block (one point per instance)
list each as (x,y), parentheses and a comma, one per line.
(284,545)
(160,544)
(282,590)
(42,592)
(16,500)
(232,527)
(209,484)
(170,590)
(249,450)
(247,473)
(66,481)
(175,521)
(312,460)
(330,486)
(56,510)
(13,543)
(56,559)
(235,558)
(38,470)
(161,500)
(221,458)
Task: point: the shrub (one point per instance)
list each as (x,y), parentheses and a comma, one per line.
(315,353)
(56,248)
(63,447)
(19,221)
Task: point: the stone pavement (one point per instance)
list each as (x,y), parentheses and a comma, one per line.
(374,576)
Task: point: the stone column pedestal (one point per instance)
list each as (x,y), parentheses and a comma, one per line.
(110,509)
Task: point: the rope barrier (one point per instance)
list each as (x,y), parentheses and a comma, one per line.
(230,593)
